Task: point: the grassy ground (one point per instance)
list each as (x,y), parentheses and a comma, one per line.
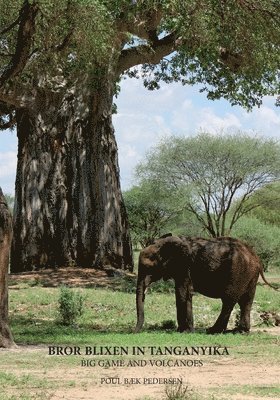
(109,320)
(34,311)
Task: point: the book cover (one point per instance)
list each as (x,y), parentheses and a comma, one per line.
(123,278)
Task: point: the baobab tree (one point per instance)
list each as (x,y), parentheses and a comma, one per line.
(61,64)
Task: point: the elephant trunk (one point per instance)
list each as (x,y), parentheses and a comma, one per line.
(142,284)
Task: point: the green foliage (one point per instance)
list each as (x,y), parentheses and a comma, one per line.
(221,171)
(162,286)
(87,22)
(231,48)
(152,209)
(71,306)
(264,238)
(267,204)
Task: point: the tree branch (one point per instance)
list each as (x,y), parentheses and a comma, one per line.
(15,100)
(66,41)
(254,7)
(10,27)
(24,40)
(146,54)
(143,25)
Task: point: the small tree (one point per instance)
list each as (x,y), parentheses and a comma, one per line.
(222,171)
(151,209)
(71,306)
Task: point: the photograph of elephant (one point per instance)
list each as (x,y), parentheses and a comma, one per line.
(224,268)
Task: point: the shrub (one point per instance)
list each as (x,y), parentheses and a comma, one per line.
(181,392)
(184,392)
(264,238)
(71,305)
(162,286)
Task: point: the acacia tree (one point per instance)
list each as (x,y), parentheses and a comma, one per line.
(60,67)
(223,173)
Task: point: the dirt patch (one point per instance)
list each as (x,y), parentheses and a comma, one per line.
(70,276)
(213,375)
(129,384)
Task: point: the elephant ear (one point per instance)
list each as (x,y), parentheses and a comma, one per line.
(174,255)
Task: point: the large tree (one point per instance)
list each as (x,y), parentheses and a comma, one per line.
(223,172)
(60,66)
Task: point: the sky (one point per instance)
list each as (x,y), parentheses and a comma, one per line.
(145,117)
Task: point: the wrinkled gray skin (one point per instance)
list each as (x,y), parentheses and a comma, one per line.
(222,268)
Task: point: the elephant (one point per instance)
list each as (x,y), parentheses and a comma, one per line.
(223,267)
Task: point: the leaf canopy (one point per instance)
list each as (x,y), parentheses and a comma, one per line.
(230,47)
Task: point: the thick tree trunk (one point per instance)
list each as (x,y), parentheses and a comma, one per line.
(6,339)
(68,207)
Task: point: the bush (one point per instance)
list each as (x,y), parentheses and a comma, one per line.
(179,392)
(162,286)
(264,238)
(71,306)
(183,392)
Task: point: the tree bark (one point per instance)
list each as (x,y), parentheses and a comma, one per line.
(6,339)
(69,208)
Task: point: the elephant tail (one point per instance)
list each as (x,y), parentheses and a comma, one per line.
(264,279)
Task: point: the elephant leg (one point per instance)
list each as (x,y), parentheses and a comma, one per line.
(245,304)
(222,321)
(183,292)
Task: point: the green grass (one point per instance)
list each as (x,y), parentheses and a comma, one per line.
(34,313)
(12,384)
(26,383)
(261,391)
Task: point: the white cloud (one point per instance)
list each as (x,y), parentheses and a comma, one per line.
(128,159)
(212,123)
(189,119)
(269,116)
(264,120)
(8,163)
(128,154)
